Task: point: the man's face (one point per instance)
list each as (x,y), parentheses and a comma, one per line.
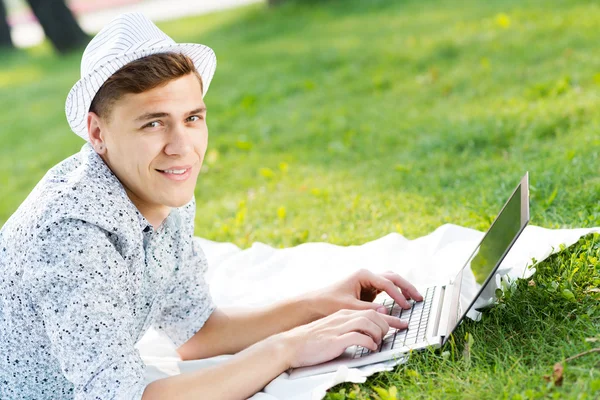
(155,143)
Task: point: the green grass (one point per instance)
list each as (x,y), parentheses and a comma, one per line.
(342,121)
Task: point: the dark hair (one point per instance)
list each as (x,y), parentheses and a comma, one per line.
(142,75)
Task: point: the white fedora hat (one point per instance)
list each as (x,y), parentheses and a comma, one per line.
(126,38)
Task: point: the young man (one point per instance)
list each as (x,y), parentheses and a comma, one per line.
(103,248)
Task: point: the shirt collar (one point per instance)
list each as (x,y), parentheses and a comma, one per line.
(99,171)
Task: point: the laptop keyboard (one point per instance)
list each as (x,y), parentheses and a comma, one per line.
(417,317)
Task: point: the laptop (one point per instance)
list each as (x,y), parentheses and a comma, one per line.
(432,321)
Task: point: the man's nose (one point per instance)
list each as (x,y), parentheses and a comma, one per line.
(180,141)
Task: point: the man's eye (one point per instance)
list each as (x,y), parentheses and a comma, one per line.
(194,118)
(153,124)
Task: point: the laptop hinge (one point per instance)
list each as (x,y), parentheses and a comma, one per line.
(439,311)
(445,310)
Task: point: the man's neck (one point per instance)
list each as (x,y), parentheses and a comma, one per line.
(155,214)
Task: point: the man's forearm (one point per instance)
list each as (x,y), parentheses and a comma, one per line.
(239,378)
(231,330)
(263,322)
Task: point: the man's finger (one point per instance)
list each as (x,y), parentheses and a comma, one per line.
(380,282)
(391,289)
(392,321)
(365,325)
(367,305)
(407,288)
(356,338)
(395,322)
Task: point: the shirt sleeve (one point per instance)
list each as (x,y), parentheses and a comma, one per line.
(79,284)
(188,303)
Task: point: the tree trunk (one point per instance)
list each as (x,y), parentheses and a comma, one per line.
(59,24)
(5,39)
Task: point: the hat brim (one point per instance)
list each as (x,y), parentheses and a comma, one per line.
(82,93)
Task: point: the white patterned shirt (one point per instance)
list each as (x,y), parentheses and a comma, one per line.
(83,275)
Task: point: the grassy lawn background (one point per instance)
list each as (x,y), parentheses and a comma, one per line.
(345,121)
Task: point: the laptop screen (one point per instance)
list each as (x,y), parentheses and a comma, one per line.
(492,249)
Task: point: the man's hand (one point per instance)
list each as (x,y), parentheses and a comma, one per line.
(327,338)
(358,291)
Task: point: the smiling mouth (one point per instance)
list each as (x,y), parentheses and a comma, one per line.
(174,171)
(176,174)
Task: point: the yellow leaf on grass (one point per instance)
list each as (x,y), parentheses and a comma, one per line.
(399,228)
(243,145)
(281,212)
(20,76)
(402,167)
(266,172)
(485,63)
(503,20)
(389,394)
(240,216)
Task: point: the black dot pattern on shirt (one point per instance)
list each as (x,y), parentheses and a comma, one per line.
(82,277)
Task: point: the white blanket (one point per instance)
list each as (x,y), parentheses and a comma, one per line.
(262,274)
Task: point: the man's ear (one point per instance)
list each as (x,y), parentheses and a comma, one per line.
(95,128)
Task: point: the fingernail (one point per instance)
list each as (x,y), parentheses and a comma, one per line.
(382,310)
